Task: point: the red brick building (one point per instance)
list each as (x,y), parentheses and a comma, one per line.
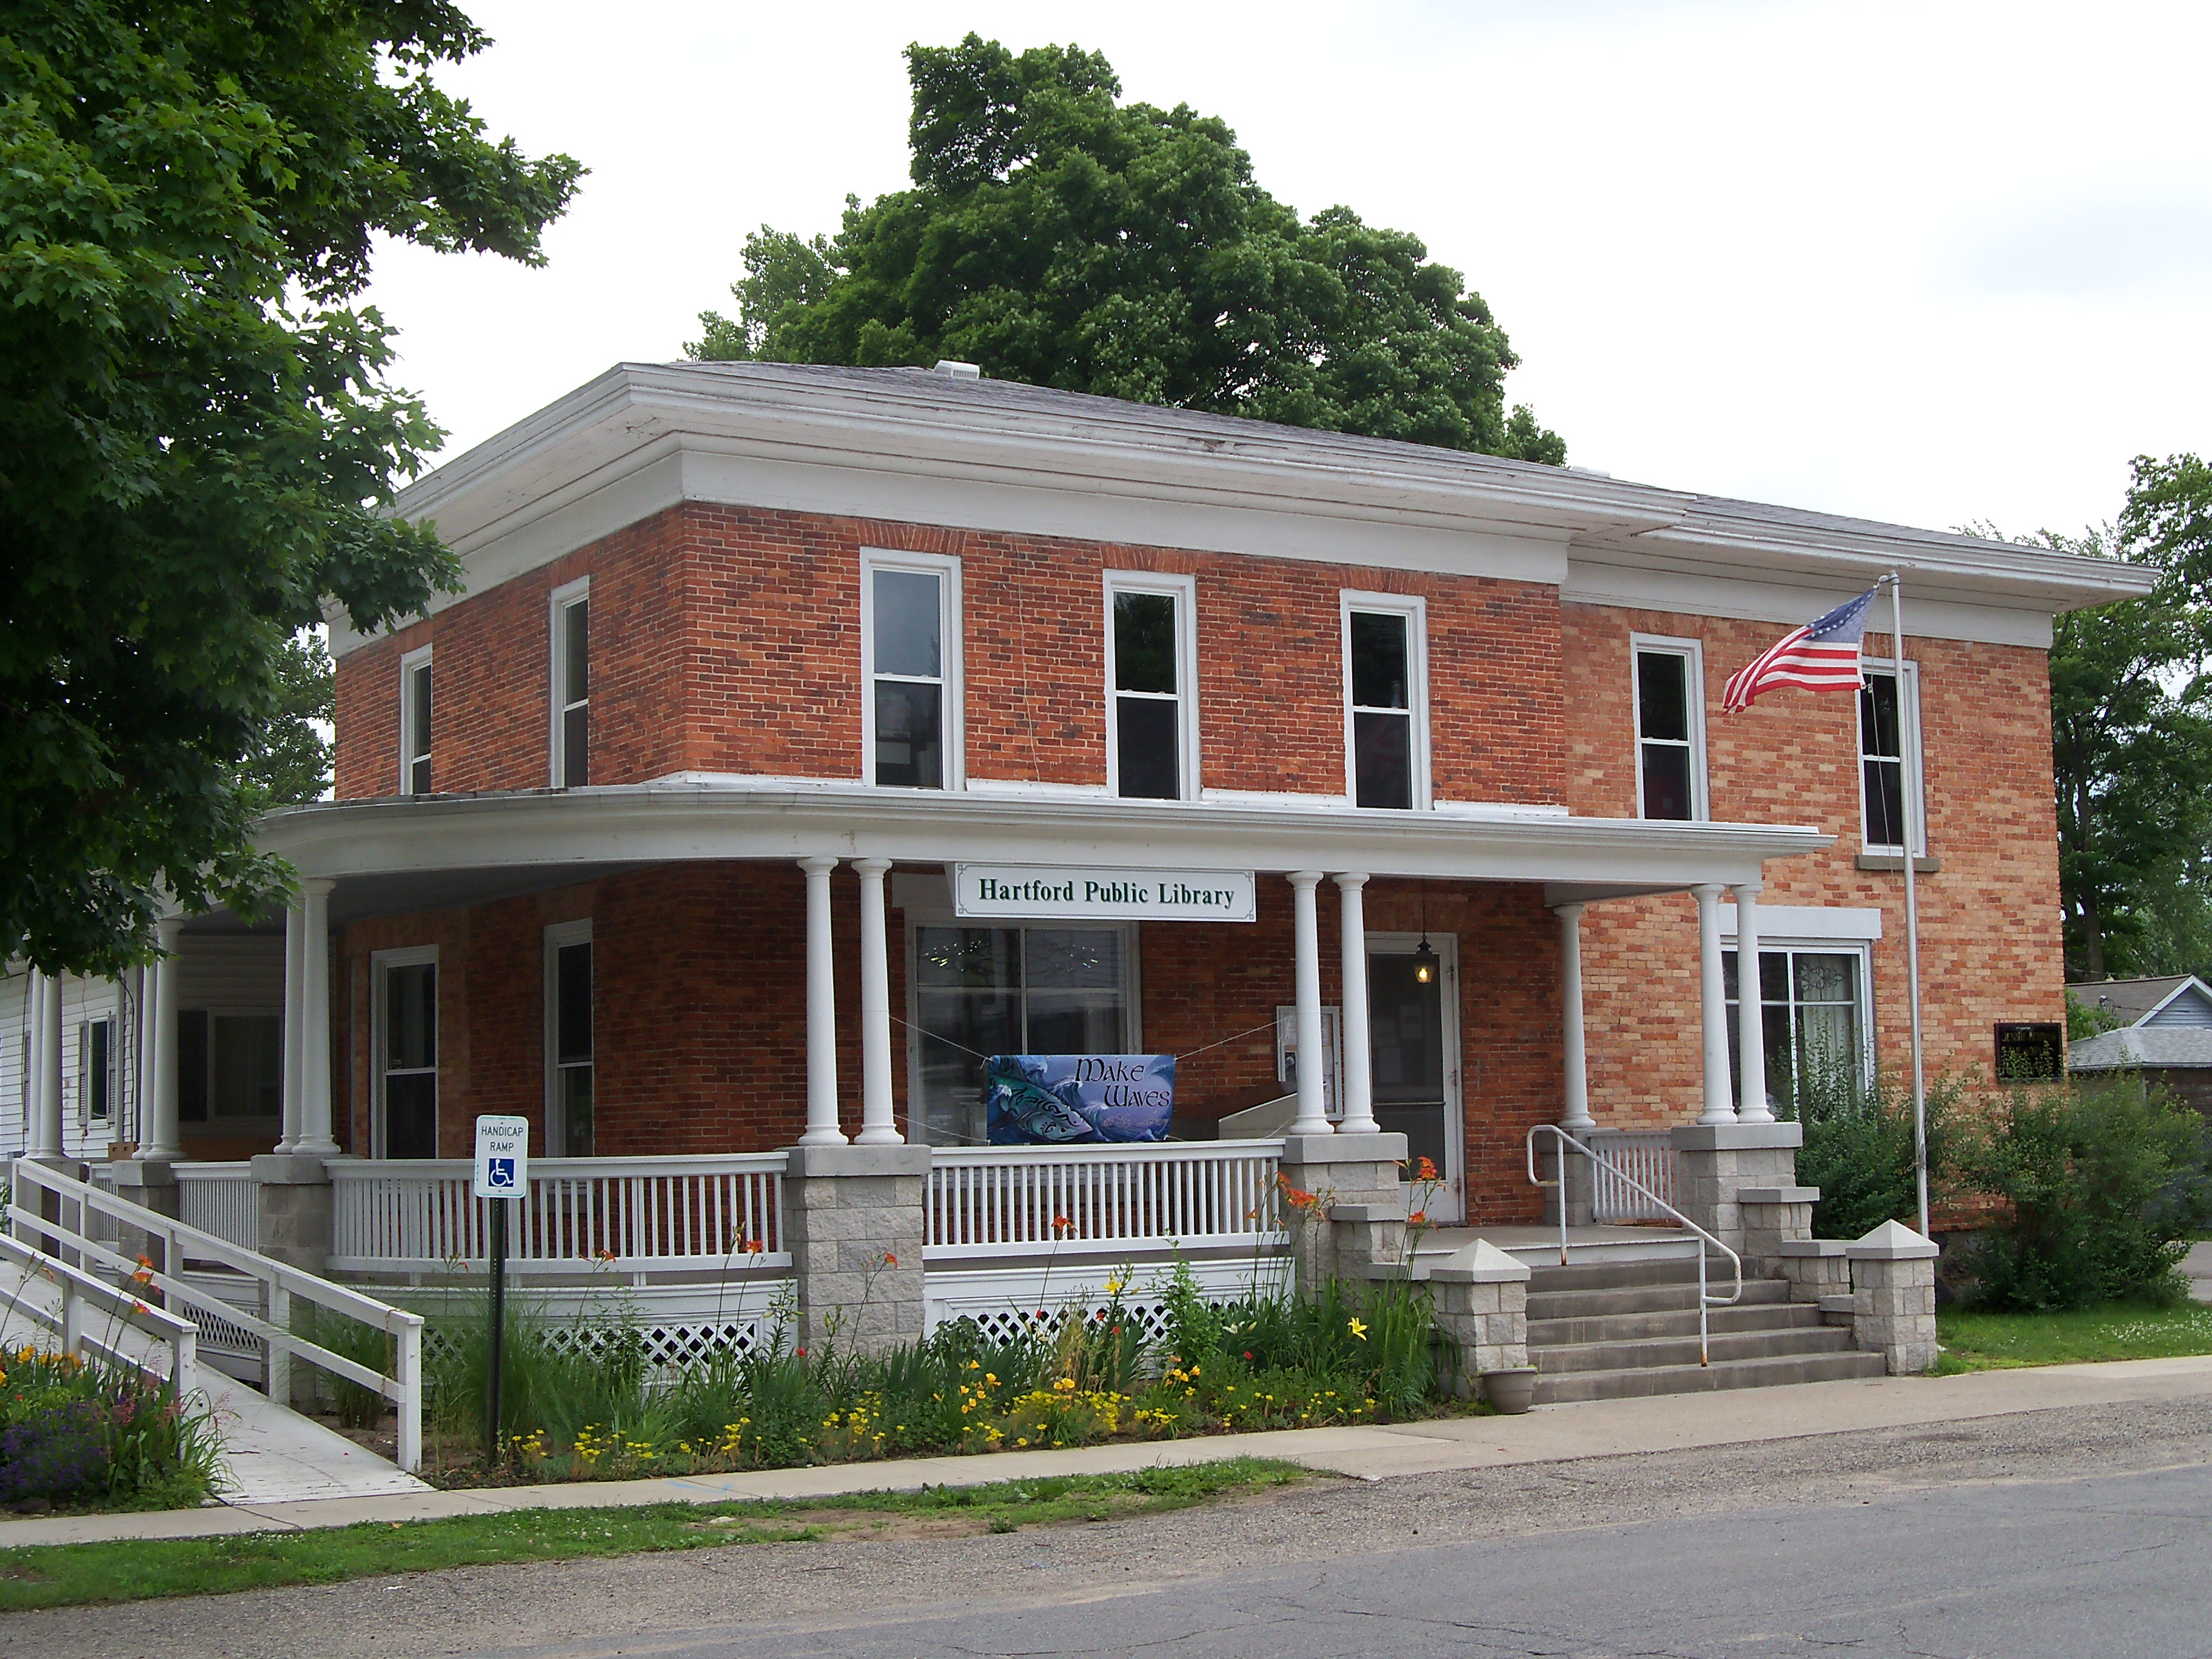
(922,632)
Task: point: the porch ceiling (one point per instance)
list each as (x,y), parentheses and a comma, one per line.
(477,847)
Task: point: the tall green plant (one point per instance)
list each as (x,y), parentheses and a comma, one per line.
(2085,1180)
(1858,1147)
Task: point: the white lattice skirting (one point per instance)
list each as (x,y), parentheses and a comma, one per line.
(1005,1300)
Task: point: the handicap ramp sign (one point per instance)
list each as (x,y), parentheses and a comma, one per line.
(502,1157)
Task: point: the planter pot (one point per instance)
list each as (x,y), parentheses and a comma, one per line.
(1510,1392)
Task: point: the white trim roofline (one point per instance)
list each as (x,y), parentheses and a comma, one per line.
(1000,455)
(651,824)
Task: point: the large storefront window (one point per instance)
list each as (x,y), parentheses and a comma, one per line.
(984,991)
(1813,1018)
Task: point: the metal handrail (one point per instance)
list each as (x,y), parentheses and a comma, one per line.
(1705,1298)
(279,1282)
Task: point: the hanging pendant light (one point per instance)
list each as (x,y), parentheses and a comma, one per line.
(1424,958)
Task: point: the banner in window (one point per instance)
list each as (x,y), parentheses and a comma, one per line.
(1059,1100)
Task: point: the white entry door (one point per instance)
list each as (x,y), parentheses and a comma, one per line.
(1413,1035)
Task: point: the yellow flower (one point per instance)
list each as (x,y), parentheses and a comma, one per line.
(1359,1330)
(1113,1286)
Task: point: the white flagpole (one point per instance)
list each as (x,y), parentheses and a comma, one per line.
(1908,733)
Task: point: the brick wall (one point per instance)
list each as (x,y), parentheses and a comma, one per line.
(1988,919)
(727,640)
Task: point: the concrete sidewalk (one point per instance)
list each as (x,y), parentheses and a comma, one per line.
(1611,1428)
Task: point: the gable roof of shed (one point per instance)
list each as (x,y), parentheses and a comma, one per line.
(2137,1000)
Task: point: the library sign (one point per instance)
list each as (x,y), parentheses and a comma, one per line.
(1033,892)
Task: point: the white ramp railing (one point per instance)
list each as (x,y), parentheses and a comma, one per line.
(625,1215)
(78,1207)
(88,1315)
(1015,1201)
(1631,1175)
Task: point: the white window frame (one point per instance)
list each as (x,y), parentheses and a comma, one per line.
(1415,609)
(410,666)
(558,936)
(946,568)
(409,955)
(567,594)
(1810,944)
(1693,654)
(1916,767)
(1183,590)
(86,1117)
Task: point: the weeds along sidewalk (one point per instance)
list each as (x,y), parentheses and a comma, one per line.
(1549,1434)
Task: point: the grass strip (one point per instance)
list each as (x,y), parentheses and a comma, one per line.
(133,1569)
(2118,1330)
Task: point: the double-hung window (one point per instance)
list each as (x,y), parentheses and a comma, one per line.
(911,647)
(415,722)
(1151,706)
(1813,1020)
(1670,728)
(1887,723)
(95,1071)
(569,1039)
(405,1064)
(572,684)
(1385,716)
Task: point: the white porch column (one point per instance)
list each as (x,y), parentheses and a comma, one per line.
(821,1010)
(878,1124)
(1576,1117)
(1714,1002)
(1358,1064)
(45,1140)
(1751,1018)
(158,1137)
(315,1138)
(295,1003)
(1312,1070)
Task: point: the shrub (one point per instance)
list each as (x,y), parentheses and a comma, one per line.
(79,1432)
(1858,1148)
(2092,1186)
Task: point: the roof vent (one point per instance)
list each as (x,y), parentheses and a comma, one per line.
(954,371)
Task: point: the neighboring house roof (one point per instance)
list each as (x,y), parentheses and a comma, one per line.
(2148,1048)
(2173,999)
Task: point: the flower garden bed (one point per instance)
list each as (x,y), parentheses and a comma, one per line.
(78,1435)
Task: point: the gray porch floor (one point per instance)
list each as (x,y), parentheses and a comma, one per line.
(1539,1246)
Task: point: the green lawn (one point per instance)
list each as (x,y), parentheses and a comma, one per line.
(68,1575)
(2118,1330)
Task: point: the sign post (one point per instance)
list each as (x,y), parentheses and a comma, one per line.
(503,1173)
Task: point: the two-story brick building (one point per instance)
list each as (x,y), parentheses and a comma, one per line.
(690,826)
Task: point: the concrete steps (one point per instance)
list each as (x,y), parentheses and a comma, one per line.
(1615,1330)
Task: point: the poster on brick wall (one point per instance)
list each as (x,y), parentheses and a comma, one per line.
(1059,1100)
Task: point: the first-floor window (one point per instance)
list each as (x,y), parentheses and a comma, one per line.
(984,991)
(407,1057)
(96,1070)
(569,1010)
(230,1067)
(1813,1021)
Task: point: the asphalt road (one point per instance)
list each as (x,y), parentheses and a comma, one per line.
(2048,1532)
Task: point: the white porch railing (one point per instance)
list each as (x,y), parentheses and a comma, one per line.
(621,1215)
(222,1199)
(1002,1200)
(1631,1175)
(88,1314)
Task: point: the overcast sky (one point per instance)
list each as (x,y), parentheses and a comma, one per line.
(1926,263)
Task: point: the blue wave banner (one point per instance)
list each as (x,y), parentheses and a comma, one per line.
(1061,1100)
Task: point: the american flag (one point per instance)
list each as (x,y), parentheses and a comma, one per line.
(1821,656)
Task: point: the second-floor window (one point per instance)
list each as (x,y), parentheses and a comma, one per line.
(569,1031)
(910,647)
(1886,724)
(1670,729)
(1386,700)
(572,686)
(1151,732)
(415,722)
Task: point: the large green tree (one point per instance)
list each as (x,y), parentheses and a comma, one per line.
(195,432)
(1059,236)
(2132,736)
